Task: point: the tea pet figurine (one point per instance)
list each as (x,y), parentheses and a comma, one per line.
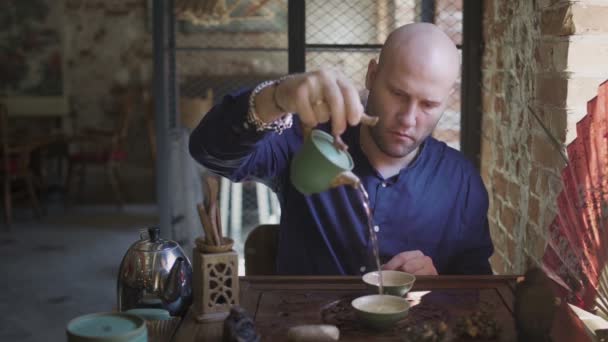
(239,327)
(426,332)
(535,306)
(479,324)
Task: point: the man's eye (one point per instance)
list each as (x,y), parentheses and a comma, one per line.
(430,105)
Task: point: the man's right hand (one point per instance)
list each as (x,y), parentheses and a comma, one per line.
(317,97)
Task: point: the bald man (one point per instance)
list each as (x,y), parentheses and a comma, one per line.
(429,203)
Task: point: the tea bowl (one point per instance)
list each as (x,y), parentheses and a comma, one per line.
(380,312)
(395,283)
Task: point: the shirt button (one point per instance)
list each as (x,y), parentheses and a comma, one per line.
(376,228)
(362,269)
(384,185)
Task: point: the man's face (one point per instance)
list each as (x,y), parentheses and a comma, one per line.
(409,104)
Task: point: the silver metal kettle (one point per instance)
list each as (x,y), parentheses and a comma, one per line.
(155,273)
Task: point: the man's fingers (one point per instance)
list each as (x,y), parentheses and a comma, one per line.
(414,265)
(339,143)
(401,259)
(335,101)
(410,255)
(321,111)
(353,108)
(393,264)
(398,260)
(369,120)
(420,266)
(321,96)
(304,108)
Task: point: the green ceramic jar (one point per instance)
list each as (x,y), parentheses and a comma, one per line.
(107,327)
(318,163)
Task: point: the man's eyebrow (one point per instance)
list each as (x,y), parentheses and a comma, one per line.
(433,102)
(403,91)
(398,89)
(394,87)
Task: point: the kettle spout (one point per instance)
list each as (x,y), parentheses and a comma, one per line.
(176,282)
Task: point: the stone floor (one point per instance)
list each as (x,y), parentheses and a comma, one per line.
(62,266)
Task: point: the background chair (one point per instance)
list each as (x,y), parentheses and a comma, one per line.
(261,248)
(15,167)
(236,198)
(103,147)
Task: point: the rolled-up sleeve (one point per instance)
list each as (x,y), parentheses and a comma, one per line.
(227,145)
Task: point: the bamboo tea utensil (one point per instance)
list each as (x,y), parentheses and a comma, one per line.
(213,185)
(211,212)
(218,216)
(210,234)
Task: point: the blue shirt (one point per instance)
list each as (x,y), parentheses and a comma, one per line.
(437,204)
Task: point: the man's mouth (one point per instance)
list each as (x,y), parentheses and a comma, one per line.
(402,136)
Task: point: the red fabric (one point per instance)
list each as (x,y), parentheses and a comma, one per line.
(576,251)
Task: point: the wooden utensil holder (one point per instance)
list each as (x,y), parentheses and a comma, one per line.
(216,284)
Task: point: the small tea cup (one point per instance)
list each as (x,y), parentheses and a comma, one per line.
(396,283)
(380,311)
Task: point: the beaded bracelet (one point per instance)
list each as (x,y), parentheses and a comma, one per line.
(278,125)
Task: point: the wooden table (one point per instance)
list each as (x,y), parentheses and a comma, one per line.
(277,303)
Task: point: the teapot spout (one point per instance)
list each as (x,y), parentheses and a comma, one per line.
(346,178)
(176,283)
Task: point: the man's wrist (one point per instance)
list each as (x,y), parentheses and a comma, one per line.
(265,103)
(264,113)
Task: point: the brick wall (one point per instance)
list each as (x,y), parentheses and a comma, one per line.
(542,61)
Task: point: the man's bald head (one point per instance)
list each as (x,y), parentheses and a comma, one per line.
(409,89)
(424,48)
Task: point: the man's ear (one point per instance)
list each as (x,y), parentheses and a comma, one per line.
(372,69)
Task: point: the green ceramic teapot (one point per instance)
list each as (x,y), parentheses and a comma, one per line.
(320,165)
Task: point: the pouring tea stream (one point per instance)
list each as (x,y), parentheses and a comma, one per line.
(323,163)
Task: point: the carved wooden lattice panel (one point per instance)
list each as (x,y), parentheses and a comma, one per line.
(220,283)
(216,284)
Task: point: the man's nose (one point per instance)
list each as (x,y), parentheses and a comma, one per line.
(407,116)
